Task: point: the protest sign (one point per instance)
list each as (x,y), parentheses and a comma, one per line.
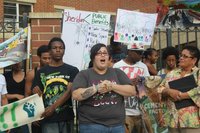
(134,27)
(153,110)
(81,30)
(21,112)
(14,50)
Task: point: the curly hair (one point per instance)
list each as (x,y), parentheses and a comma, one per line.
(170,51)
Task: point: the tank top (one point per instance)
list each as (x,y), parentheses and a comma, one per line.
(14,87)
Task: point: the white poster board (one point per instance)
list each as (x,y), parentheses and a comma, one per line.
(14,49)
(134,27)
(21,112)
(81,30)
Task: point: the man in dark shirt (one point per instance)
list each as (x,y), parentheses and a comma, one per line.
(54,82)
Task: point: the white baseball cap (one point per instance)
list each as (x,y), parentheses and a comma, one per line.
(135,47)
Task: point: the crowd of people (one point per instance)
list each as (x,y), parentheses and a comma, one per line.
(106,92)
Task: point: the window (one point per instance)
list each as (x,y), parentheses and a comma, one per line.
(62,8)
(14,11)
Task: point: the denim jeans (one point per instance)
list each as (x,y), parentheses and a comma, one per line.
(21,129)
(96,128)
(58,127)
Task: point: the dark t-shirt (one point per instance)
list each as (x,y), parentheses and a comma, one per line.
(53,82)
(14,87)
(106,109)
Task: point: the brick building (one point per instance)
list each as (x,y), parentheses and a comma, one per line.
(45,15)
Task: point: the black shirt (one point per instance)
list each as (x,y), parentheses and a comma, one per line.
(53,82)
(14,87)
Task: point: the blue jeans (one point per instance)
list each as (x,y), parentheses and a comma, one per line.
(21,129)
(58,127)
(96,128)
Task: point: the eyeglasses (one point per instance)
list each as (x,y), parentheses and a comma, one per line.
(185,56)
(102,54)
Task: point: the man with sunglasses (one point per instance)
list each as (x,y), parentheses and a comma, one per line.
(134,68)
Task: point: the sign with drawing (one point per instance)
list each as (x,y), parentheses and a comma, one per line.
(134,27)
(153,110)
(14,50)
(21,112)
(81,30)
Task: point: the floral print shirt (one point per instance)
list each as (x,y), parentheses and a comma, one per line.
(187,116)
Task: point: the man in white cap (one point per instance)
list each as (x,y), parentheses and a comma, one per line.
(134,68)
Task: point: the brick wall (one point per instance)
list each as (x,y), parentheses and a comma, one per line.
(43,29)
(97,5)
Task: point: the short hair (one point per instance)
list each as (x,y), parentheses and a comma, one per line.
(148,52)
(95,49)
(194,51)
(54,40)
(170,51)
(42,49)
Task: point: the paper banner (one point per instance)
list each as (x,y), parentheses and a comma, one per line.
(21,112)
(150,105)
(14,50)
(134,27)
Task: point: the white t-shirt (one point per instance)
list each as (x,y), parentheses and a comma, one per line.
(132,71)
(3,89)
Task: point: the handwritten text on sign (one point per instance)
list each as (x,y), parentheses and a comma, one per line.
(21,112)
(82,30)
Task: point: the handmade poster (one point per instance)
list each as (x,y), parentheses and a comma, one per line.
(153,110)
(81,30)
(21,112)
(14,50)
(134,27)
